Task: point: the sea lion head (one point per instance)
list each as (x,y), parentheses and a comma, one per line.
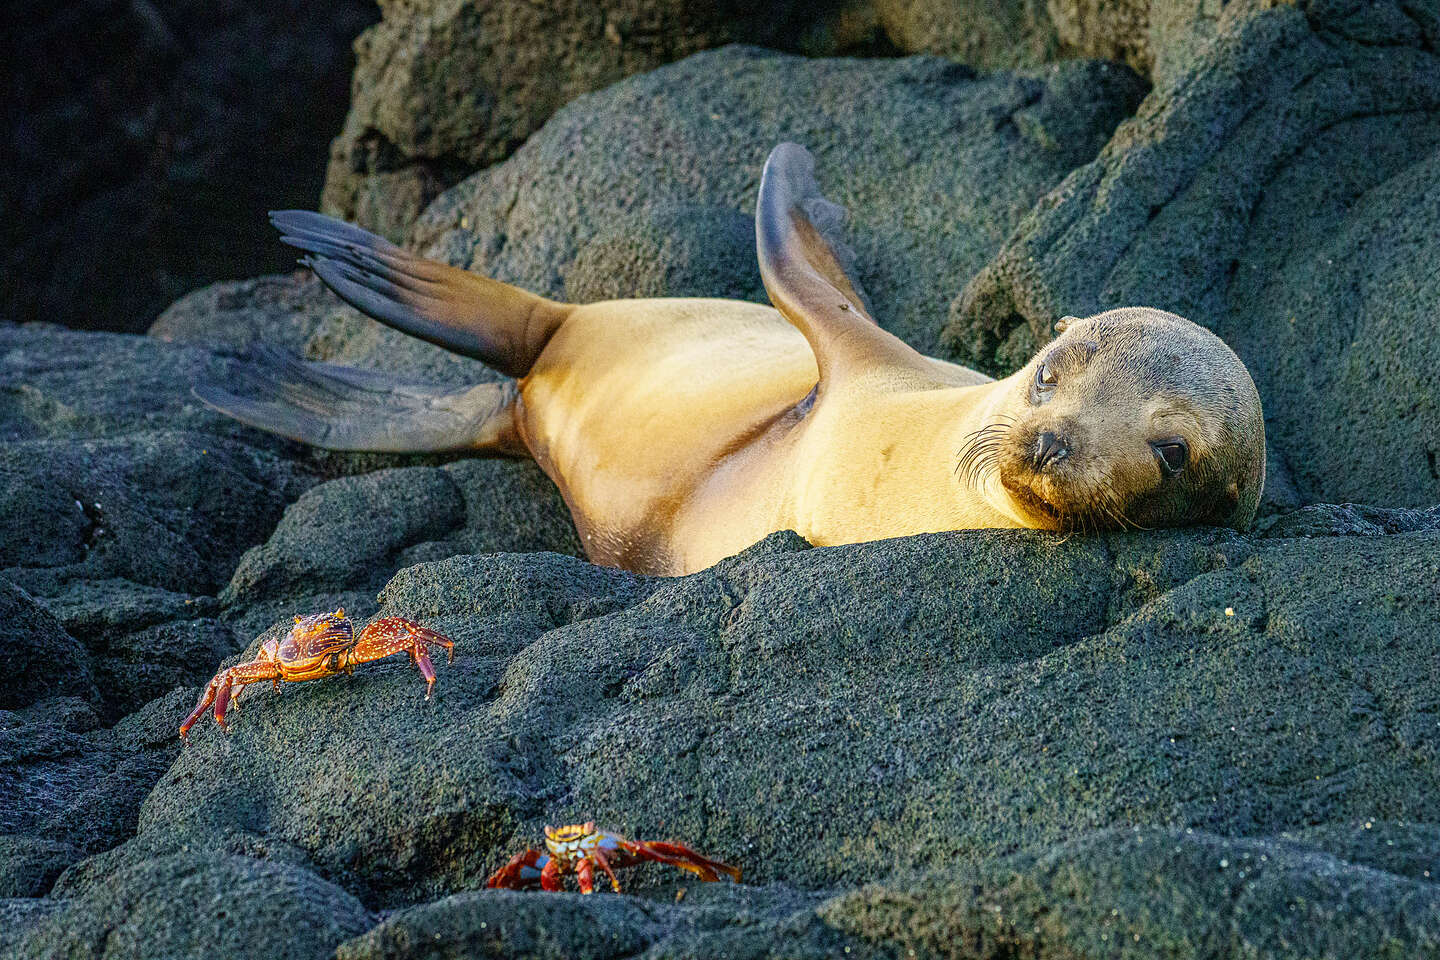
(1130,418)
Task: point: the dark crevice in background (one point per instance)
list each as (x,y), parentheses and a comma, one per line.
(145,139)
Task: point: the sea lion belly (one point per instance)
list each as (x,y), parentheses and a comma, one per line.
(634,404)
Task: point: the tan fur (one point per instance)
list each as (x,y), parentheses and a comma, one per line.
(670,426)
(681,431)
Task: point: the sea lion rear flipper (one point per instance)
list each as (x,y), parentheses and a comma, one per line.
(346,408)
(503,326)
(805,267)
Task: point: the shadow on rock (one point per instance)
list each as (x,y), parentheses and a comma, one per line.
(832,717)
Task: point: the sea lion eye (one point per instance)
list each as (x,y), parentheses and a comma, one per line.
(1173,453)
(1045,377)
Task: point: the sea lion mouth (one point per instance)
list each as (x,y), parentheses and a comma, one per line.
(1028,500)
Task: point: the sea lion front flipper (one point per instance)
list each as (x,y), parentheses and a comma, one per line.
(346,408)
(804,267)
(503,326)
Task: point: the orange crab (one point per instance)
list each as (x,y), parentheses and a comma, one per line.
(321,646)
(579,848)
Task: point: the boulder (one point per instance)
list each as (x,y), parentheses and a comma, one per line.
(647,188)
(739,923)
(444,88)
(201,905)
(70,787)
(30,865)
(38,659)
(342,540)
(1141,892)
(975,707)
(1281,192)
(132,480)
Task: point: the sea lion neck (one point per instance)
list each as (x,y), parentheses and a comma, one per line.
(864,451)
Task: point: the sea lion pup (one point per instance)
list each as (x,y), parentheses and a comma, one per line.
(681,431)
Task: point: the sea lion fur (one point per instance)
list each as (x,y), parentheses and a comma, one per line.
(680,431)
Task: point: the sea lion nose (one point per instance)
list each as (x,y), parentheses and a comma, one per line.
(1050,448)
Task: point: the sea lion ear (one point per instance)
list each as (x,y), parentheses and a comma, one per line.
(1063,323)
(805,266)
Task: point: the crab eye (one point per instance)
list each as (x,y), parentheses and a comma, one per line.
(1046,377)
(1172,453)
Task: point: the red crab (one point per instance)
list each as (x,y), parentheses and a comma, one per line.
(579,848)
(321,646)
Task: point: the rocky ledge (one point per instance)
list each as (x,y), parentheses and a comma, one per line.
(975,744)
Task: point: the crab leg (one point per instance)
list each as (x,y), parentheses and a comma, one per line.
(585,875)
(525,871)
(681,856)
(218,690)
(550,875)
(599,857)
(390,635)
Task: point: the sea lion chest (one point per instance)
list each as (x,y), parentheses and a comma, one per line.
(679,432)
(635,408)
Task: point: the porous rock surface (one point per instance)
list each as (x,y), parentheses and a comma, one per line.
(444,88)
(649,187)
(977,738)
(1283,193)
(974,744)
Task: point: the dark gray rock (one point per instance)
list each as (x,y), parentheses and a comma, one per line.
(18,916)
(1120,893)
(285,310)
(138,667)
(738,923)
(347,533)
(673,151)
(38,659)
(30,865)
(443,88)
(58,384)
(201,905)
(92,610)
(168,509)
(111,469)
(74,787)
(342,540)
(773,711)
(1282,192)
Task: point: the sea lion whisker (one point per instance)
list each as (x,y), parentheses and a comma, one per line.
(593,397)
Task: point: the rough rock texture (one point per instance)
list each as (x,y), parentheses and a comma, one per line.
(144,142)
(988,36)
(1281,192)
(1251,703)
(1158,38)
(286,311)
(70,787)
(1119,893)
(37,657)
(665,167)
(444,88)
(128,507)
(340,542)
(732,922)
(977,744)
(201,904)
